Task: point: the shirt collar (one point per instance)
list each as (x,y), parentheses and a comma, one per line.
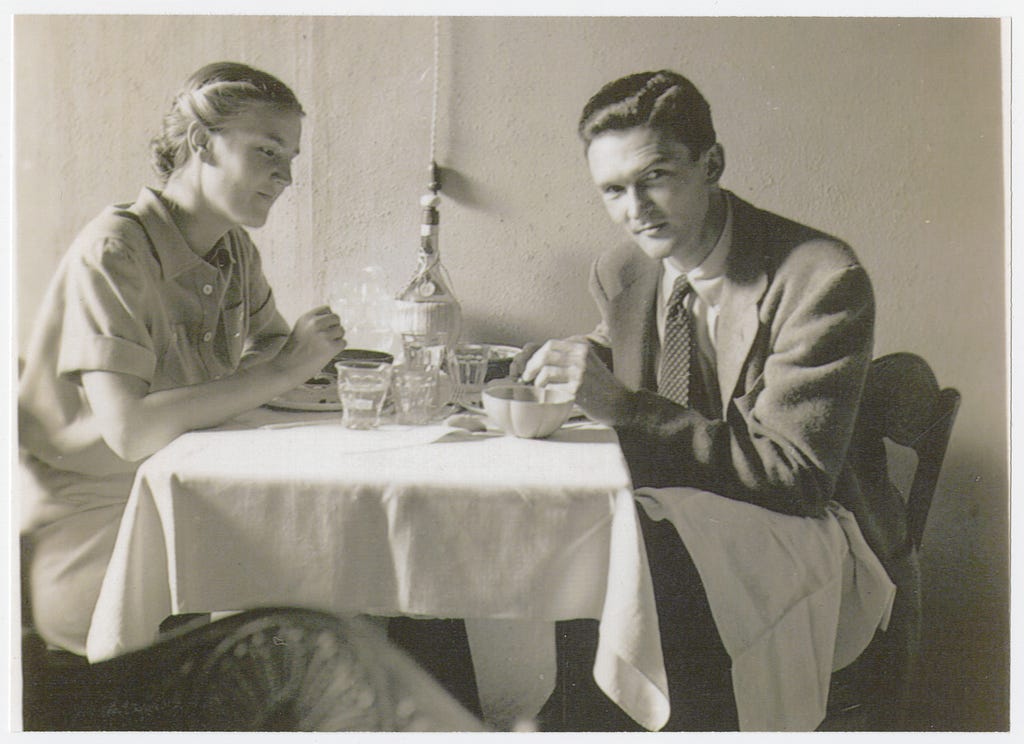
(705,277)
(172,251)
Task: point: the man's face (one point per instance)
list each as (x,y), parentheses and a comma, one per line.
(652,186)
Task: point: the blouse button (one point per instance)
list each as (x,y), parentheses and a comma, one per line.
(207,289)
(207,336)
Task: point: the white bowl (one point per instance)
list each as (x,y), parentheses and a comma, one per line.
(525,410)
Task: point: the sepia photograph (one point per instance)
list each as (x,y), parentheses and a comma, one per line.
(471,371)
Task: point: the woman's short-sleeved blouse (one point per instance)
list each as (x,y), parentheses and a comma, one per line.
(130,296)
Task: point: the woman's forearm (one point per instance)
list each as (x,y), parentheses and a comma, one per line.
(136,423)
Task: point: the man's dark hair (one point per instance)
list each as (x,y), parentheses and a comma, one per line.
(664,101)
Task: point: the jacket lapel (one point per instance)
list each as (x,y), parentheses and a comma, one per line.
(745,285)
(633,321)
(632,311)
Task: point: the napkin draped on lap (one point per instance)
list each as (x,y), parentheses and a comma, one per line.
(794,598)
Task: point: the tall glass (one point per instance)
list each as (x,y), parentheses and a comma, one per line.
(426,353)
(467,365)
(362,387)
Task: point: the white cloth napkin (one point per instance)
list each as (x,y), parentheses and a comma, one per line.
(794,598)
(629,667)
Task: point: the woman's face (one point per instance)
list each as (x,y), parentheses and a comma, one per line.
(247,164)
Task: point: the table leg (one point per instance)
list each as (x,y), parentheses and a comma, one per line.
(440,647)
(515,666)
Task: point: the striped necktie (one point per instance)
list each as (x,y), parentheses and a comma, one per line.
(677,350)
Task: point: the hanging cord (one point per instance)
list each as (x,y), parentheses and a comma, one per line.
(429,306)
(430,201)
(430,260)
(435,173)
(435,181)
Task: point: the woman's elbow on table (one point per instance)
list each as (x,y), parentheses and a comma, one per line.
(131,437)
(130,430)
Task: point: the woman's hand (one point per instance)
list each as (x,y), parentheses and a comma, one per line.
(314,340)
(135,422)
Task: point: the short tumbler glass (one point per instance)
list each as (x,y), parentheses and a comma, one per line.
(467,364)
(362,387)
(415,393)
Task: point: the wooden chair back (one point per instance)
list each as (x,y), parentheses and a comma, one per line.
(913,412)
(903,403)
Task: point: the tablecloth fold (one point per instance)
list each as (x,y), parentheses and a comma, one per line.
(629,665)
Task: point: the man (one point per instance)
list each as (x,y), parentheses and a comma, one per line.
(731,354)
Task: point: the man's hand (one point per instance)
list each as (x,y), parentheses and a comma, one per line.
(518,365)
(573,364)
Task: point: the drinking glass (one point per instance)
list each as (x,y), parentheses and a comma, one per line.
(362,387)
(467,364)
(415,392)
(424,352)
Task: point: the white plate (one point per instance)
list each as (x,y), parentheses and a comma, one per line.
(472,403)
(501,352)
(476,405)
(308,398)
(324,398)
(296,405)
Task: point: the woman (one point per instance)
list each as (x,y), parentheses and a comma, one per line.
(158,321)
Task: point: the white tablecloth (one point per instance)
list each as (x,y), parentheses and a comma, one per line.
(509,534)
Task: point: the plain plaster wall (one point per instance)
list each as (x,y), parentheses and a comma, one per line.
(887,133)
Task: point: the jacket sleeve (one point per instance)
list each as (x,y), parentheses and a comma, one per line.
(785,435)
